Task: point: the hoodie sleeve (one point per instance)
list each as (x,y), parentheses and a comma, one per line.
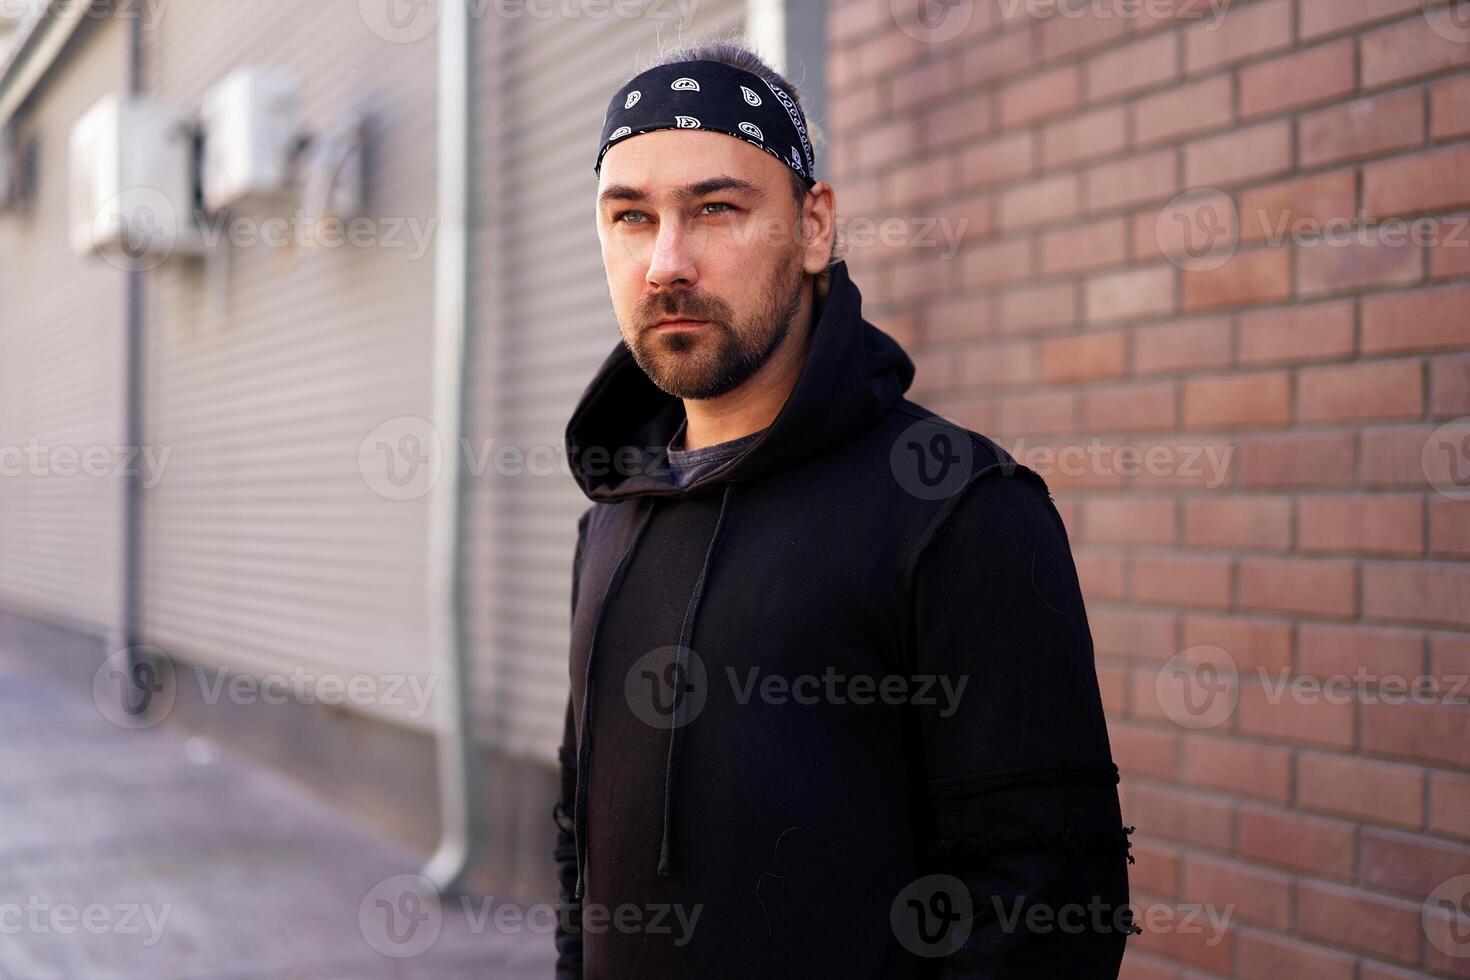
(564,853)
(1026,827)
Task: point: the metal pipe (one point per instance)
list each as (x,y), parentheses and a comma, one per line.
(450,864)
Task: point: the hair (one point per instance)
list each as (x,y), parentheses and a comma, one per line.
(737,54)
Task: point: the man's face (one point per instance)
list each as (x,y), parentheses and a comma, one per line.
(703,226)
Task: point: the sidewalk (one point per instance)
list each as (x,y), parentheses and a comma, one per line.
(130,855)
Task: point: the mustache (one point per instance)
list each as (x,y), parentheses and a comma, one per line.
(686,308)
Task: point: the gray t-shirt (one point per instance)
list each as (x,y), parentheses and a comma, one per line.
(688,465)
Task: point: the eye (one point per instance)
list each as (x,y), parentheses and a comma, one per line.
(720,204)
(623,214)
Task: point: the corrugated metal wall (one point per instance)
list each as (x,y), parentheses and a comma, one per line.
(265,548)
(61,338)
(545,323)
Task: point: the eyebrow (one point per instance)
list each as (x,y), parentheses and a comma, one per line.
(626,192)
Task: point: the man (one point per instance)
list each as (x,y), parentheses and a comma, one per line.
(833,706)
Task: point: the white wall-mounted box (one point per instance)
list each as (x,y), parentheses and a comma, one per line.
(251,137)
(132,179)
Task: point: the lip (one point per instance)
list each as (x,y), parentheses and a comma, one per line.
(679,324)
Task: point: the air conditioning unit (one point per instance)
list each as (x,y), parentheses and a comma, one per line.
(251,137)
(132,180)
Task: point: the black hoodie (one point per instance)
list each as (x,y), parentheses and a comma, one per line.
(833,706)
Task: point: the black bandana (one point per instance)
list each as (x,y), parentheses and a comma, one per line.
(714,96)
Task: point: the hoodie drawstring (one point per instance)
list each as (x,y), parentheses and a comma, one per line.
(584,750)
(681,669)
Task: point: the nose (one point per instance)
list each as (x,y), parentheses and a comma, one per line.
(675,257)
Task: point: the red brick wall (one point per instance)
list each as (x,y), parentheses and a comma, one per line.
(1329,543)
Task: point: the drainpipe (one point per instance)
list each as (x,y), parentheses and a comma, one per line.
(450,864)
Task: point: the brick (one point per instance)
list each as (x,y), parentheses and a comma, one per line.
(1040,413)
(1394,457)
(956,318)
(1378,390)
(1408,864)
(923,84)
(1127,183)
(1237,767)
(1103,577)
(1255,522)
(1302,843)
(1290,82)
(1410,49)
(1048,94)
(1189,346)
(1096,245)
(1001,262)
(1364,128)
(1182,111)
(1130,408)
(1134,634)
(1184,462)
(1253,643)
(1449,247)
(1328,649)
(1244,32)
(1425,592)
(1318,587)
(1140,65)
(1259,895)
(911,183)
(957,121)
(1063,36)
(1179,815)
(1238,156)
(1449,528)
(1038,308)
(1130,295)
(1434,181)
(1297,460)
(1008,56)
(1360,789)
(1157,867)
(1261,956)
(1449,108)
(1249,278)
(1144,750)
(1087,357)
(1238,401)
(888,52)
(1321,331)
(1320,17)
(1357,920)
(1181,580)
(1039,202)
(1388,525)
(1324,267)
(881,145)
(1420,320)
(1300,209)
(999,160)
(1449,803)
(1085,137)
(1000,365)
(1129,520)
(1436,734)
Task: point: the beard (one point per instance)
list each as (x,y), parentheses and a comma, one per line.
(715,359)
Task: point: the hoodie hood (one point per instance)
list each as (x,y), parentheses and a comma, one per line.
(853,375)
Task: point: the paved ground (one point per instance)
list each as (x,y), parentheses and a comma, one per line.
(130,855)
